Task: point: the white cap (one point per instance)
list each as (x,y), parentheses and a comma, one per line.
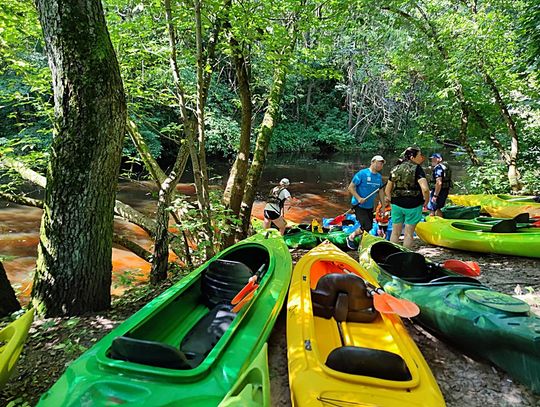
(284,181)
(377,158)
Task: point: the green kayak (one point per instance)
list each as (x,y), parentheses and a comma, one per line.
(306,236)
(187,347)
(502,237)
(482,322)
(460,212)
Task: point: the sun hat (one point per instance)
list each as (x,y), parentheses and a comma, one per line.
(378,158)
(284,181)
(435,155)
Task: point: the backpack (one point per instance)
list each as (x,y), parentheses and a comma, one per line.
(273,196)
(403,177)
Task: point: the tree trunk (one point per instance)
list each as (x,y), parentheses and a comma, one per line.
(9,302)
(74,265)
(261,148)
(160,259)
(234,191)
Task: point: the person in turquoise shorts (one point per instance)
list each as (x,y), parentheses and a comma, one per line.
(408,191)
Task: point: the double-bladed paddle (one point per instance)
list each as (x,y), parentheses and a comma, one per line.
(250,287)
(466,268)
(386,303)
(338,219)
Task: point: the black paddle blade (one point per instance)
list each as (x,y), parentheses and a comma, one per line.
(505,226)
(522,218)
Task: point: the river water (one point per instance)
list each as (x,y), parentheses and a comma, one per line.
(318,183)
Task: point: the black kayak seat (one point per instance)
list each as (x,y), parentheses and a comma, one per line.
(206,333)
(344,297)
(368,362)
(222,280)
(149,353)
(409,266)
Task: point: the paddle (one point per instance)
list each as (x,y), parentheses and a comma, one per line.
(244,301)
(338,219)
(504,226)
(249,287)
(386,303)
(466,268)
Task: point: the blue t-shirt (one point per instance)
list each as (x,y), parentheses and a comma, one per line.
(366,182)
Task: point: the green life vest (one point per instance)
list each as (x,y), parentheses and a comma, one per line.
(403,177)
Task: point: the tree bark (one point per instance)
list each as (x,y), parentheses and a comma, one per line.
(160,259)
(9,301)
(261,148)
(234,191)
(74,265)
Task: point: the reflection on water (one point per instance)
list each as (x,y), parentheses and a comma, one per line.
(318,185)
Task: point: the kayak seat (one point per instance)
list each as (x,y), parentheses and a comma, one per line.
(409,266)
(368,362)
(206,333)
(381,250)
(222,280)
(150,353)
(344,297)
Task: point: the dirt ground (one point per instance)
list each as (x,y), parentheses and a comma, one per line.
(464,381)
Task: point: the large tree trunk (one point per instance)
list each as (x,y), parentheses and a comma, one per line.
(74,263)
(8,303)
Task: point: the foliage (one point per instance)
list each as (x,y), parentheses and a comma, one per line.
(192,224)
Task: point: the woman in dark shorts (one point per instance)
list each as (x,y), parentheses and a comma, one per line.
(274,211)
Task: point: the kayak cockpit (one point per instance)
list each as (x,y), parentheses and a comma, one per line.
(341,303)
(413,267)
(191,328)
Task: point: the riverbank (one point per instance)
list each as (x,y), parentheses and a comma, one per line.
(464,381)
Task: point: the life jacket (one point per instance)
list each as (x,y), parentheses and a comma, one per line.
(383,220)
(403,177)
(273,197)
(447,175)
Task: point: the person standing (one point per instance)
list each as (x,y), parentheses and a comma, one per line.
(442,182)
(363,188)
(408,191)
(274,211)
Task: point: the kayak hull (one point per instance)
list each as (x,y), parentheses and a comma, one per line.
(13,337)
(502,206)
(483,322)
(475,237)
(312,339)
(231,365)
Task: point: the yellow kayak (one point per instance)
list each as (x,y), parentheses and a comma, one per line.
(13,336)
(341,351)
(501,206)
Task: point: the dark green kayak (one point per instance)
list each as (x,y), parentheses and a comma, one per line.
(302,236)
(481,321)
(460,212)
(187,347)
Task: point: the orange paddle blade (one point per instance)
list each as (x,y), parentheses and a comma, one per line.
(250,286)
(244,301)
(403,308)
(467,268)
(388,304)
(536,224)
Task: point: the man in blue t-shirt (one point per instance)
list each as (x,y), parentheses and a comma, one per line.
(363,188)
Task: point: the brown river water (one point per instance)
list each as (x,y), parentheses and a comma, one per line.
(318,184)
